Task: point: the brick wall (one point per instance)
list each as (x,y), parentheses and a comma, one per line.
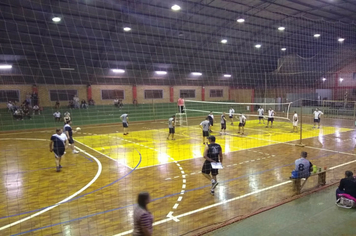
(141,94)
(44,98)
(23,90)
(96,93)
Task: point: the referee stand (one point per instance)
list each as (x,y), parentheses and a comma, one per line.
(182,118)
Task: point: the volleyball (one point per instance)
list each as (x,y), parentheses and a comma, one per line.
(78,129)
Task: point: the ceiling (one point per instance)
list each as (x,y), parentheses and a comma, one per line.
(90,38)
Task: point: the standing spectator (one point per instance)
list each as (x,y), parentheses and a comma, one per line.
(76,101)
(57,116)
(34,98)
(181,105)
(347,185)
(57,105)
(142,218)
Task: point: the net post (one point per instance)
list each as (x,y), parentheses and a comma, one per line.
(300,144)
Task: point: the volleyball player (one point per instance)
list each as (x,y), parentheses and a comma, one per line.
(171,125)
(270,117)
(242,123)
(125,122)
(260,112)
(317,115)
(205,126)
(212,153)
(231,115)
(211,120)
(66,117)
(295,122)
(57,146)
(69,133)
(223,123)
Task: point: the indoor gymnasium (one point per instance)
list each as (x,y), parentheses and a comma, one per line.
(187,117)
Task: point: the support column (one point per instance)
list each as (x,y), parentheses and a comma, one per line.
(134,92)
(89,92)
(171,94)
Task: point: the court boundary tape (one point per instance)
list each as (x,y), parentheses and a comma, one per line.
(98,173)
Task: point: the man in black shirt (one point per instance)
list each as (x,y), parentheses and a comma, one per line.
(347,185)
(212,153)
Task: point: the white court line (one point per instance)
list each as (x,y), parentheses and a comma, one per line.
(102,154)
(64,200)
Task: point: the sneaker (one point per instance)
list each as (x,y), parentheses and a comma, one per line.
(75,152)
(214,185)
(60,166)
(58,169)
(212,192)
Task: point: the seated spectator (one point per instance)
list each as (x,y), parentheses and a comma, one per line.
(10,106)
(26,112)
(91,102)
(57,105)
(36,109)
(120,104)
(347,185)
(83,104)
(25,103)
(116,102)
(70,104)
(303,167)
(135,102)
(76,101)
(18,115)
(57,116)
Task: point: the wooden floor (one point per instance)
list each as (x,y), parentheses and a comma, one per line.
(95,192)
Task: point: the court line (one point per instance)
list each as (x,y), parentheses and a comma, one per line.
(102,154)
(64,200)
(171,195)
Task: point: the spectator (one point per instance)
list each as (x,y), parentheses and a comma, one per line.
(26,112)
(120,104)
(57,116)
(347,185)
(135,103)
(10,106)
(76,101)
(303,167)
(180,105)
(18,115)
(84,104)
(34,98)
(28,99)
(36,109)
(116,102)
(70,104)
(57,105)
(91,102)
(142,218)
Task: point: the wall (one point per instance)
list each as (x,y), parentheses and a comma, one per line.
(23,90)
(141,94)
(96,93)
(44,98)
(176,91)
(242,95)
(225,93)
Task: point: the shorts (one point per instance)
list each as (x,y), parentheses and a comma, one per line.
(317,120)
(223,126)
(242,124)
(171,130)
(230,117)
(260,117)
(207,169)
(125,125)
(70,140)
(58,152)
(270,119)
(205,133)
(295,123)
(211,122)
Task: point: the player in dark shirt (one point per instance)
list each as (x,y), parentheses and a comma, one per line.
(347,185)
(212,153)
(57,146)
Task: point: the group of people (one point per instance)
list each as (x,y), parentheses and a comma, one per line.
(25,110)
(118,103)
(76,103)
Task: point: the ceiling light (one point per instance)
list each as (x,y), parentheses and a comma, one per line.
(65,68)
(258,45)
(224,41)
(316,35)
(197,73)
(56,19)
(281,28)
(161,72)
(283,49)
(118,71)
(175,7)
(4,67)
(127,29)
(341,79)
(341,40)
(241,20)
(227,76)
(324,79)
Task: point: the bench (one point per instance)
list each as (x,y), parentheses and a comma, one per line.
(298,185)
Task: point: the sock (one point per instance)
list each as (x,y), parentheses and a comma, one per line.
(213,181)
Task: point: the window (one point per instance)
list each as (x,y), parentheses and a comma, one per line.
(112,94)
(62,95)
(216,93)
(189,93)
(354,75)
(9,95)
(153,94)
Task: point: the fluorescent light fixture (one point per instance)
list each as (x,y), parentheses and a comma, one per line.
(161,72)
(281,28)
(283,49)
(241,20)
(118,71)
(227,76)
(324,79)
(197,73)
(224,41)
(127,29)
(56,19)
(341,79)
(5,67)
(64,68)
(341,40)
(258,45)
(316,35)
(175,7)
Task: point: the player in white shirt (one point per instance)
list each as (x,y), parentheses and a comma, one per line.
(317,115)
(205,126)
(295,122)
(242,123)
(211,120)
(260,112)
(125,122)
(231,115)
(270,117)
(223,123)
(171,125)
(57,116)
